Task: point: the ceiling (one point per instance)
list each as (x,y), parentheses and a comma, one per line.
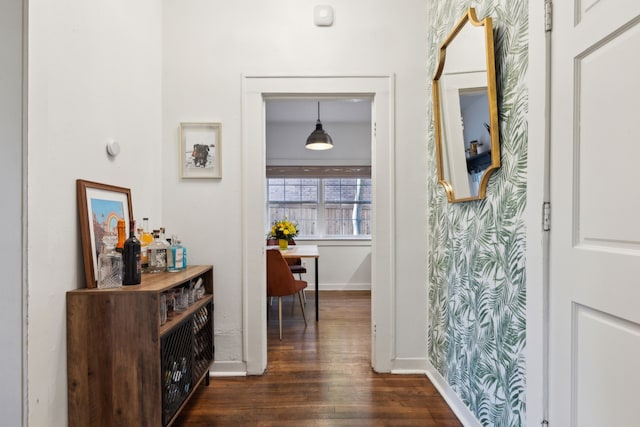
(306,110)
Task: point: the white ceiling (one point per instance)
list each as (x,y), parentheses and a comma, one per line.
(306,110)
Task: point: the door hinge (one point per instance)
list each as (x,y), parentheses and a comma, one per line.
(548,15)
(546,216)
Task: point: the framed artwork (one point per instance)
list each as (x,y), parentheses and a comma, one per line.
(100,206)
(200,150)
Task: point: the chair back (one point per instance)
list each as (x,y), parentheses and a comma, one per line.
(294,261)
(290,261)
(273,242)
(280,281)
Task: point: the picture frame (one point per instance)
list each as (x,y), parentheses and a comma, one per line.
(200,150)
(100,206)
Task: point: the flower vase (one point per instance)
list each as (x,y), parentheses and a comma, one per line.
(283,244)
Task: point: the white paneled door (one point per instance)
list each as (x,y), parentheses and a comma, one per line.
(594,287)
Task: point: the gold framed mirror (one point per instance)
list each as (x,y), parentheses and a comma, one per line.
(465,109)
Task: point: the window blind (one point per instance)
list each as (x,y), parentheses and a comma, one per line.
(318,171)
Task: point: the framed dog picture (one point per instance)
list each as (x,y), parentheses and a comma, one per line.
(200,150)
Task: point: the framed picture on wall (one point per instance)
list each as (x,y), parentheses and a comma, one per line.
(200,150)
(100,206)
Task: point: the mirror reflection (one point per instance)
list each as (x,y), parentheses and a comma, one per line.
(465,110)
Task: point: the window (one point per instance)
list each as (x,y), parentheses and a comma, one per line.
(347,206)
(322,207)
(295,199)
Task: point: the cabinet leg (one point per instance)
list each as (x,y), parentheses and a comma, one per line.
(206,379)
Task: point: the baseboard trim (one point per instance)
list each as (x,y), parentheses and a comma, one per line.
(338,286)
(228,369)
(409,366)
(466,417)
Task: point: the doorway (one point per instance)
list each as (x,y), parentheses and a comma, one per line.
(325,193)
(256,89)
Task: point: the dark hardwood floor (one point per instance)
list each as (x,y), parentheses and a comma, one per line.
(319,376)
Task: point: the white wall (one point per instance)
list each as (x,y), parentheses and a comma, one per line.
(208,46)
(94,74)
(133,72)
(11,171)
(343,265)
(475,113)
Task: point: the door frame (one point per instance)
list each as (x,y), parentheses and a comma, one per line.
(14,168)
(538,186)
(255,90)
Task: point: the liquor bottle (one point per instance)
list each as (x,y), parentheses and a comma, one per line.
(171,262)
(146,235)
(157,254)
(184,255)
(109,264)
(163,237)
(145,240)
(122,236)
(175,256)
(167,245)
(132,260)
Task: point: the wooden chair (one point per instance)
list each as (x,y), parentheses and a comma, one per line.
(280,282)
(295,264)
(296,267)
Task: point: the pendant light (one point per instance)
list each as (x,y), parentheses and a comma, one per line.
(319,139)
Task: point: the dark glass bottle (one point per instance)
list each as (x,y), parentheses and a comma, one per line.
(131,258)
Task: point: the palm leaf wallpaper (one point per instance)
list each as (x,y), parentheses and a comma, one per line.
(477,325)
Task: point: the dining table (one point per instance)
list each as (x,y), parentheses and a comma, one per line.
(303,251)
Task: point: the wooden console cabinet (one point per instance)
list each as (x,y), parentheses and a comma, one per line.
(123,367)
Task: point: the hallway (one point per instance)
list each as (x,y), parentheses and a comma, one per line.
(319,376)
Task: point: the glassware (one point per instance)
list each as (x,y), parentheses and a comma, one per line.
(145,240)
(171,304)
(163,309)
(175,256)
(122,236)
(157,254)
(109,264)
(182,300)
(198,289)
(191,295)
(184,254)
(163,236)
(167,245)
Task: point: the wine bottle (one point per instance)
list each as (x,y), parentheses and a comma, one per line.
(131,257)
